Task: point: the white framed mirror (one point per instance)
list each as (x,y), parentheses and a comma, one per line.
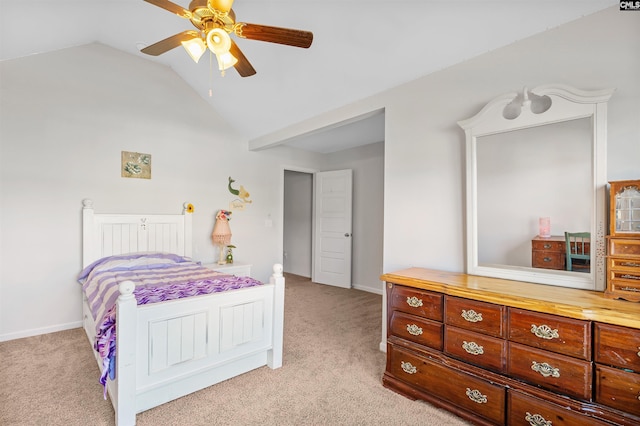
(536,154)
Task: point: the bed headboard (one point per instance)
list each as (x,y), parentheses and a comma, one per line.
(108,234)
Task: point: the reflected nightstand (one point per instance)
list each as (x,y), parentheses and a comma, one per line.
(236,268)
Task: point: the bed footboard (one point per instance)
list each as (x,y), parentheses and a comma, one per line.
(170,349)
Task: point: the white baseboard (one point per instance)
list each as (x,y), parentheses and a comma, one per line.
(367,288)
(39,331)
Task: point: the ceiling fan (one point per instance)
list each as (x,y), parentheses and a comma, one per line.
(215,20)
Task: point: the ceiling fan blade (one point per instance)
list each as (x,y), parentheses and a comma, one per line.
(171,7)
(221,5)
(169,43)
(290,37)
(244,68)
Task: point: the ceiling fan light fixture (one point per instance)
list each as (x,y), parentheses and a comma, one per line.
(218,41)
(215,20)
(195,48)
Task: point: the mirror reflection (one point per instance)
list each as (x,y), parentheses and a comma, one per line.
(530,175)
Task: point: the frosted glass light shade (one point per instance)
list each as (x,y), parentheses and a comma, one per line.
(218,41)
(226,60)
(195,48)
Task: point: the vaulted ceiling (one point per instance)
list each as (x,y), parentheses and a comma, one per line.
(360,48)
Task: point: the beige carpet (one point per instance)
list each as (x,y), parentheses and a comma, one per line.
(331,375)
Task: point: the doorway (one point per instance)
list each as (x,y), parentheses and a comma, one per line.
(317,211)
(298,223)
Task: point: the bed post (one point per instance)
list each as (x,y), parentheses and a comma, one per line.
(274,357)
(87,234)
(125,405)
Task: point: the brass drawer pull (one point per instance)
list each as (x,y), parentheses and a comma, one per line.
(473,348)
(471,315)
(408,368)
(547,259)
(414,329)
(630,277)
(476,396)
(547,246)
(631,264)
(414,302)
(544,332)
(537,420)
(629,289)
(545,369)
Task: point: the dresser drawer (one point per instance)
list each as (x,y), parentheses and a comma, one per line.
(416,302)
(624,285)
(617,346)
(559,373)
(481,317)
(548,260)
(416,329)
(630,264)
(541,244)
(527,410)
(466,391)
(629,276)
(475,348)
(618,389)
(558,334)
(624,246)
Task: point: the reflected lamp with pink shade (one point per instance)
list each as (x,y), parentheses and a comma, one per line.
(221,235)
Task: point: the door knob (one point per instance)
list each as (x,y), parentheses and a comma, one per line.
(347,234)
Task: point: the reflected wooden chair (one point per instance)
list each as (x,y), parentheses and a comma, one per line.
(578,248)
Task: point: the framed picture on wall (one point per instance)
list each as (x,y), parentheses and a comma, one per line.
(135,165)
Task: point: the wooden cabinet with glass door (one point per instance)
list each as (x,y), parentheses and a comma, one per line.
(623,241)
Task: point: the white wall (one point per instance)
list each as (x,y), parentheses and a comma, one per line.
(424,147)
(66,117)
(424,202)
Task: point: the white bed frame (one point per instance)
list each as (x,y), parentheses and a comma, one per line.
(171,349)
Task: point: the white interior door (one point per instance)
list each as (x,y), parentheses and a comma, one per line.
(332,230)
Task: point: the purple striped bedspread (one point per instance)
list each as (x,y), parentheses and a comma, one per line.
(157,277)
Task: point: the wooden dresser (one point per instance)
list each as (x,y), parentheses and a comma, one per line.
(623,241)
(499,352)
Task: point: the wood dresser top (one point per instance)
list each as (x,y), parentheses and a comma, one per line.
(568,302)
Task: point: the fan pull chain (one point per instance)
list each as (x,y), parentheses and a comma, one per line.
(210,74)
